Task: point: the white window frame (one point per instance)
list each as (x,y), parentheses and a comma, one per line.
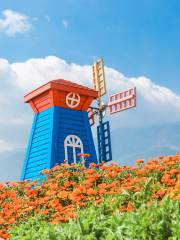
(74,142)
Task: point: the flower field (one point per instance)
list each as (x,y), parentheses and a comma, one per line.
(71,193)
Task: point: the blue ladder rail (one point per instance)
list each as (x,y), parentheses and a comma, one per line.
(104,142)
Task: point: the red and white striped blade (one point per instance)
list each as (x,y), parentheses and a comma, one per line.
(122,101)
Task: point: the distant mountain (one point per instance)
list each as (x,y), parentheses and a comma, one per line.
(128,144)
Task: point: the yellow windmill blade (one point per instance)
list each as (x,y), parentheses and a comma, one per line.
(98,76)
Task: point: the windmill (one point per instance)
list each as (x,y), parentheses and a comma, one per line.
(118,102)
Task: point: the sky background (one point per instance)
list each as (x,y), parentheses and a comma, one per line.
(140,43)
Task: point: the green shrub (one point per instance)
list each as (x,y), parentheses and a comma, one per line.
(154,222)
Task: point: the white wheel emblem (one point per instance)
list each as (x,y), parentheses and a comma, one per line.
(72,99)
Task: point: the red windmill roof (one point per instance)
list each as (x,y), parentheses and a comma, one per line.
(54,93)
(61,84)
(69,83)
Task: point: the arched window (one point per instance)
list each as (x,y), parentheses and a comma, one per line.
(72,146)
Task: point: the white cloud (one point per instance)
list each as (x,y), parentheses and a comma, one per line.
(155,104)
(14,22)
(65,23)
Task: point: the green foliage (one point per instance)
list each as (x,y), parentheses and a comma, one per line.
(154,222)
(33,229)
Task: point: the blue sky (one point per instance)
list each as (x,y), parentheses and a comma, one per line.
(139,37)
(140,42)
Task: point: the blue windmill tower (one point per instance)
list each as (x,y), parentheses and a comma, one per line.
(61,128)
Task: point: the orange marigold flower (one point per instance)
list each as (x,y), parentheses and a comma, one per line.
(5,235)
(32,193)
(130,206)
(161,192)
(166,178)
(45,212)
(1,221)
(140,172)
(51,193)
(139,161)
(67,184)
(63,194)
(137,189)
(89,171)
(1,187)
(174,171)
(93,165)
(102,185)
(77,191)
(83,155)
(91,191)
(45,171)
(38,210)
(122,208)
(12,221)
(57,167)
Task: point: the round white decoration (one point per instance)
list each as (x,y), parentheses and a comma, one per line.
(72,99)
